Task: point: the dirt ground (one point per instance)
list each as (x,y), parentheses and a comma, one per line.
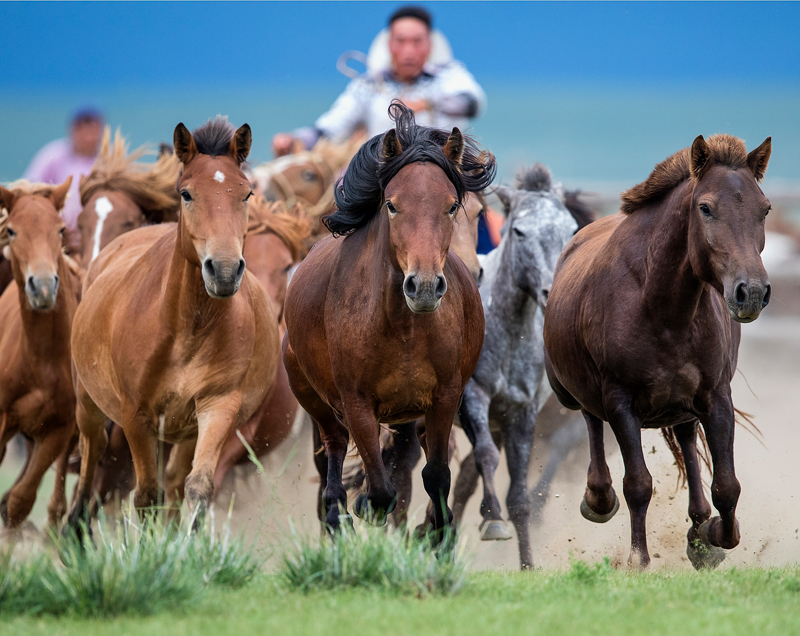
(766,386)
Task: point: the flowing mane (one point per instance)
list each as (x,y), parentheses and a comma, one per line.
(725,150)
(292,227)
(359,194)
(150,186)
(214,137)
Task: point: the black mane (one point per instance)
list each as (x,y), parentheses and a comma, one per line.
(214,137)
(359,194)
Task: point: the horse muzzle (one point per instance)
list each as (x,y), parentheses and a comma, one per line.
(42,291)
(222,277)
(746,300)
(424,294)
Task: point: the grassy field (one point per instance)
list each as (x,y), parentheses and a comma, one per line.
(585,600)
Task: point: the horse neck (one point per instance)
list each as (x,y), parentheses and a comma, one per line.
(515,307)
(672,290)
(47,333)
(187,305)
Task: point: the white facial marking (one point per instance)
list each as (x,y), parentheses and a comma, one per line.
(219,177)
(102,207)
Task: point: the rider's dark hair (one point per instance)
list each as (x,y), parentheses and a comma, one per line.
(411,11)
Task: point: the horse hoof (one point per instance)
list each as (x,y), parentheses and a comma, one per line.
(495,530)
(703,555)
(594,517)
(363,510)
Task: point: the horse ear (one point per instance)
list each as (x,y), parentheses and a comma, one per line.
(183,142)
(506,195)
(59,195)
(759,158)
(7,199)
(240,144)
(700,157)
(454,148)
(391,145)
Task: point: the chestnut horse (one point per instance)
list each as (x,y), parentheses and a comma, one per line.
(163,344)
(36,312)
(275,242)
(642,329)
(383,324)
(120,194)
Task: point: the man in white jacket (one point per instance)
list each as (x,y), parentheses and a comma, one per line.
(441,95)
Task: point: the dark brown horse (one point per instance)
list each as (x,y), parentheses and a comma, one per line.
(383,325)
(642,328)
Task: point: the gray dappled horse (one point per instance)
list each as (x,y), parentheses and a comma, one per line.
(509,385)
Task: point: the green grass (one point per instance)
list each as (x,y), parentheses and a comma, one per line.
(588,599)
(388,560)
(127,568)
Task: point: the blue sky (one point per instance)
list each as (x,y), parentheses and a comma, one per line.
(78,45)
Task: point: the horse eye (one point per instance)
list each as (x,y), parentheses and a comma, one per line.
(453,209)
(391,208)
(519,232)
(247,198)
(11,233)
(186,196)
(768,211)
(307,175)
(61,231)
(705,209)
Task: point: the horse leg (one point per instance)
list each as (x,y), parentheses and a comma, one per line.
(23,495)
(58,500)
(92,443)
(215,422)
(143,442)
(600,502)
(179,465)
(381,496)
(435,440)
(466,483)
(637,485)
(518,433)
(321,464)
(400,457)
(700,553)
(475,422)
(719,425)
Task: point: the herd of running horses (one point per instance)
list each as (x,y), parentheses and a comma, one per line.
(165,333)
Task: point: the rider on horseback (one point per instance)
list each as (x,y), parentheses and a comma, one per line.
(441,95)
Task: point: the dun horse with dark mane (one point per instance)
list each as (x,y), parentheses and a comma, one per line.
(384,324)
(174,339)
(642,329)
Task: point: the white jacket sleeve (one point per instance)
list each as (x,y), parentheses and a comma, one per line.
(347,113)
(454,83)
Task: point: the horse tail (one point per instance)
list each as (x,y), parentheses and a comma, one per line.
(743,419)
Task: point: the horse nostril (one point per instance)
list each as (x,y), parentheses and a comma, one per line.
(56,279)
(545,294)
(240,271)
(767,295)
(208,265)
(440,286)
(479,280)
(741,294)
(410,286)
(31,284)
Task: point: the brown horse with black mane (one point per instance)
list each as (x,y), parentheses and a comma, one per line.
(174,339)
(36,312)
(642,329)
(383,324)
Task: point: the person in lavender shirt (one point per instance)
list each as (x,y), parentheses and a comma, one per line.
(73,155)
(441,95)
